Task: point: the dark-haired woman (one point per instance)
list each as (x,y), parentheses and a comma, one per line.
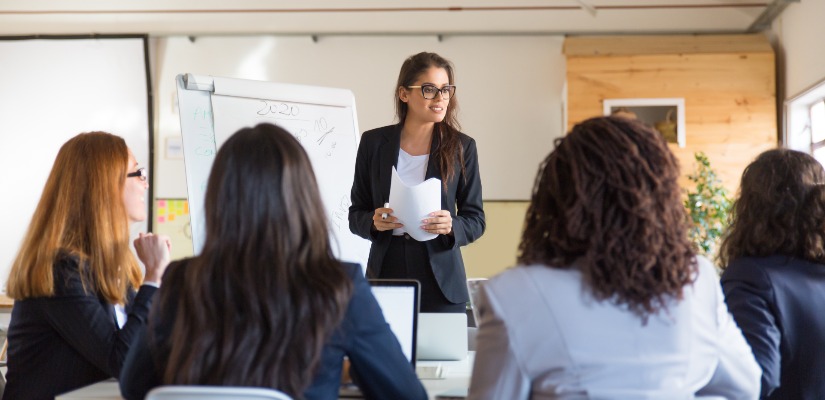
(610,300)
(426,143)
(774,282)
(265,304)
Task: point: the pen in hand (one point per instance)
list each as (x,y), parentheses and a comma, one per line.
(384,215)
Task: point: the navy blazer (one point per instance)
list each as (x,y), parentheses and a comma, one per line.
(778,303)
(70,340)
(377,154)
(364,336)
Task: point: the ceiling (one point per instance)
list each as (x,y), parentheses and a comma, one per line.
(380,17)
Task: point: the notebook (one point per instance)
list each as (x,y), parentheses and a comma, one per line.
(442,336)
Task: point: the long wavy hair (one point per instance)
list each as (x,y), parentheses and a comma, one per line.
(80,214)
(449,149)
(266,293)
(780,209)
(606,202)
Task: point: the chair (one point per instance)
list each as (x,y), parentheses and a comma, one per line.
(214,393)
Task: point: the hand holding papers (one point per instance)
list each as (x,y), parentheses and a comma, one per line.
(411,204)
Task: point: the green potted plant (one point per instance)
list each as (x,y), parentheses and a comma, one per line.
(708,205)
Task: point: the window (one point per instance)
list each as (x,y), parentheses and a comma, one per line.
(817,112)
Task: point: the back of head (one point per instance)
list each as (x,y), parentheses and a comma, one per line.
(606,201)
(266,292)
(81,213)
(779,209)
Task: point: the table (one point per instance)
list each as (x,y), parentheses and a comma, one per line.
(457,372)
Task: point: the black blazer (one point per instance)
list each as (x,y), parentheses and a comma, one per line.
(364,336)
(377,154)
(70,340)
(778,303)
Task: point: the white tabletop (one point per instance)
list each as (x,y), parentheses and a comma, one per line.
(457,376)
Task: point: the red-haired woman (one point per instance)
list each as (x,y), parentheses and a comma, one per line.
(79,292)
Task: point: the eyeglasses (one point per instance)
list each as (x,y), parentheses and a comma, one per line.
(429,91)
(140,174)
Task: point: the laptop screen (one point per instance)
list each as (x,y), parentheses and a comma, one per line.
(398,300)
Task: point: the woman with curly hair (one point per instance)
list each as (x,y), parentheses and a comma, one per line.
(610,299)
(774,282)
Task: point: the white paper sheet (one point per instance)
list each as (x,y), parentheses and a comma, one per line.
(411,204)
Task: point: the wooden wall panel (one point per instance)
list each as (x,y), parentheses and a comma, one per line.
(730,98)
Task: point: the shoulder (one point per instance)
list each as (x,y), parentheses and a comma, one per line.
(67,270)
(175,274)
(511,288)
(352,270)
(540,275)
(66,264)
(466,140)
(752,269)
(379,134)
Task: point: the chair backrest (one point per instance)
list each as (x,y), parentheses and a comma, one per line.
(214,393)
(474,288)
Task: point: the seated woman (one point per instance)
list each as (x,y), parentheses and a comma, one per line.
(609,299)
(266,304)
(774,282)
(73,280)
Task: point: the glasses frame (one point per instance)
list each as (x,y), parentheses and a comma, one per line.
(141,174)
(440,91)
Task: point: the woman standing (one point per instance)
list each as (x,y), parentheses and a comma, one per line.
(774,282)
(266,304)
(426,143)
(609,300)
(73,280)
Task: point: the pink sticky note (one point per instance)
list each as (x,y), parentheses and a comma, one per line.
(161,220)
(161,203)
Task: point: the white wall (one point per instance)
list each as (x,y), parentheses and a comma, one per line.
(800,30)
(509,90)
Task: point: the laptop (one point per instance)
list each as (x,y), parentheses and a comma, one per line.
(398,299)
(442,336)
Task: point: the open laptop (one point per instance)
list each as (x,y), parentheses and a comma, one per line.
(398,299)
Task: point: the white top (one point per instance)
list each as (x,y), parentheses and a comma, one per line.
(120,315)
(542,336)
(411,170)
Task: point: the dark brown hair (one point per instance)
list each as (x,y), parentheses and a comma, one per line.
(779,209)
(81,213)
(449,149)
(606,202)
(266,293)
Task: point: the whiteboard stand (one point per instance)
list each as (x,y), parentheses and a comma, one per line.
(322,119)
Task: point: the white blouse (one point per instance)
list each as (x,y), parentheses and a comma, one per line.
(412,170)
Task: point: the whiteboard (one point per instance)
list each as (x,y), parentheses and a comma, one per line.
(53,89)
(323,120)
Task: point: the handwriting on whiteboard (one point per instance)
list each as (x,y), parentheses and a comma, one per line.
(305,128)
